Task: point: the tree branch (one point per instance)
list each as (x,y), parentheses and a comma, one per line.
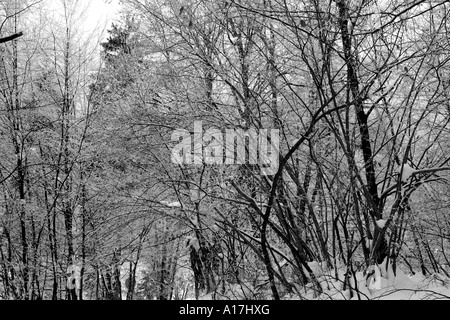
(11,38)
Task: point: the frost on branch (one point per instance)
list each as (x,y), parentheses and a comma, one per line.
(171,205)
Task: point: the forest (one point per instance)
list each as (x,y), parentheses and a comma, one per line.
(116,182)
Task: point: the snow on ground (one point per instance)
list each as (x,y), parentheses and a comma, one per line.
(380,283)
(377,283)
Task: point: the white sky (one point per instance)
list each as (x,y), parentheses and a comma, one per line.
(92,17)
(91,20)
(100,14)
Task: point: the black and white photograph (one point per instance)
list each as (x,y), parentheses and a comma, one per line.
(217,156)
